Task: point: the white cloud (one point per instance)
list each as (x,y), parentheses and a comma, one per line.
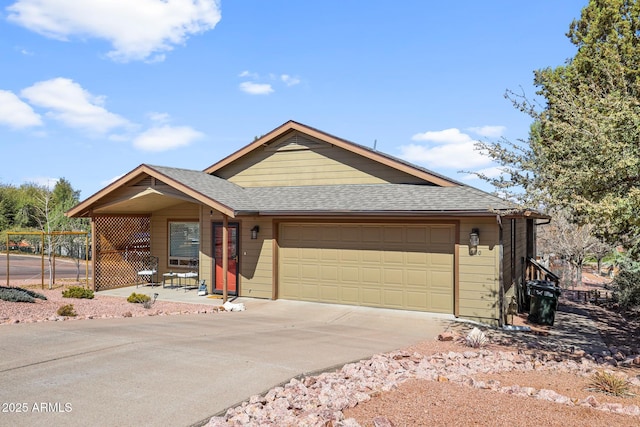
(249,74)
(448,136)
(137,30)
(288,80)
(166,138)
(489,131)
(256,88)
(70,104)
(159,117)
(447,148)
(15,113)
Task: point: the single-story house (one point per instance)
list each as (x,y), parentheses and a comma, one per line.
(310,216)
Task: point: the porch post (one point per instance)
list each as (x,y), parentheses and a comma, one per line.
(225,256)
(94,254)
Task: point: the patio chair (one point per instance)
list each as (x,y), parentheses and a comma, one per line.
(193,274)
(149,273)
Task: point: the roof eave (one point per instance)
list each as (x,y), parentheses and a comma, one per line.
(469,213)
(85,208)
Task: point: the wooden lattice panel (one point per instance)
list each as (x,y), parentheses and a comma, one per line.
(122,243)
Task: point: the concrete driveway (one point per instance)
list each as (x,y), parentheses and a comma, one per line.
(180,370)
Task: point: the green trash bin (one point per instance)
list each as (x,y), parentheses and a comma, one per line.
(544,302)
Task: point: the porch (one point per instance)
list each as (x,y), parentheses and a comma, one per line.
(179,295)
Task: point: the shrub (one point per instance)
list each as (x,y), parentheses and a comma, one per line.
(627,288)
(77,292)
(138,298)
(609,383)
(476,338)
(12,294)
(67,311)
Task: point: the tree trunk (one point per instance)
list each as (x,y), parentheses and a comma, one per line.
(579,274)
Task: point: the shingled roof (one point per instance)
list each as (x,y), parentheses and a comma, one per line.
(436,195)
(352,198)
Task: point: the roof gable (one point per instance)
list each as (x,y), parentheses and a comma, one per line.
(148,188)
(293,136)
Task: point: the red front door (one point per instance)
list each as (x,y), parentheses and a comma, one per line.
(232,269)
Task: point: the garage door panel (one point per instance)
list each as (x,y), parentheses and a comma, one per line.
(442,235)
(371,256)
(394,235)
(393,298)
(418,258)
(417,278)
(441,302)
(311,234)
(349,255)
(418,235)
(393,257)
(350,234)
(371,234)
(329,293)
(309,272)
(378,265)
(371,296)
(392,276)
(309,292)
(329,255)
(328,273)
(290,272)
(417,301)
(371,275)
(349,295)
(330,235)
(349,274)
(440,280)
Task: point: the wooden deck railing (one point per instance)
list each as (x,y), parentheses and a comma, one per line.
(537,271)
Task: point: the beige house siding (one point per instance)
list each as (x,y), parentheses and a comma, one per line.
(207,216)
(280,164)
(506,261)
(479,274)
(521,250)
(256,259)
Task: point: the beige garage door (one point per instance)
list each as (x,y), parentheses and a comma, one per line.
(378,265)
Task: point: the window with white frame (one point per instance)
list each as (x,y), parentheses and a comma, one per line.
(184,243)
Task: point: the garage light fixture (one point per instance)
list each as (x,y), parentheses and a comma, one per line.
(474,241)
(254,232)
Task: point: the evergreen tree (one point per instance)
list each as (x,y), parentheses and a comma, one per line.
(583,150)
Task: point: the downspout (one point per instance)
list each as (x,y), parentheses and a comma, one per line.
(500,272)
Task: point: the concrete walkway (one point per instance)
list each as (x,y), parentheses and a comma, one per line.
(180,370)
(172,294)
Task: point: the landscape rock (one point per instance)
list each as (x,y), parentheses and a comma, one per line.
(445,336)
(319,400)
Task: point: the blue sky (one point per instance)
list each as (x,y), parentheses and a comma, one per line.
(90,90)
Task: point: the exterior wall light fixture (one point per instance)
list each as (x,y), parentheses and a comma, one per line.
(474,241)
(254,232)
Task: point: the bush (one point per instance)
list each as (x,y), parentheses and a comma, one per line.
(67,311)
(138,298)
(77,292)
(476,338)
(12,294)
(627,288)
(609,383)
